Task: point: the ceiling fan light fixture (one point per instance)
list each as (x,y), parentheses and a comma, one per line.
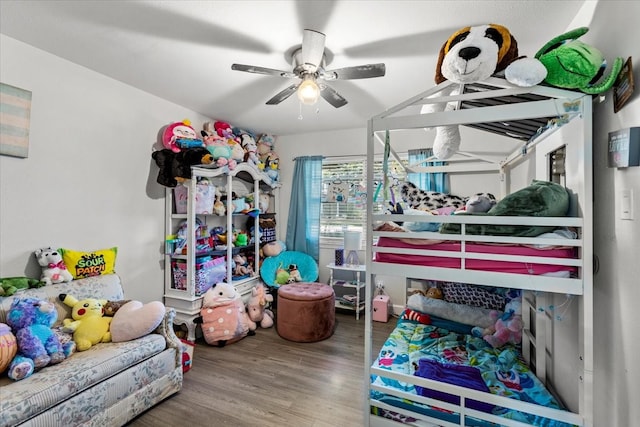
(308,91)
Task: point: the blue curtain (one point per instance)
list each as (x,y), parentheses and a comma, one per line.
(303,225)
(427,181)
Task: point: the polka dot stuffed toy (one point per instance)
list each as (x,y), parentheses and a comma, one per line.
(223,316)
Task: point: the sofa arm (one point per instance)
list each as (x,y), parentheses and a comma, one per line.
(166,330)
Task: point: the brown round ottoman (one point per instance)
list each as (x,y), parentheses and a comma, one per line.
(306,312)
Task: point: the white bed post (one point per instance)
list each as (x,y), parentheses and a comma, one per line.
(368,330)
(585,341)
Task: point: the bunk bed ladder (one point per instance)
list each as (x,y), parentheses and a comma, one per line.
(537,325)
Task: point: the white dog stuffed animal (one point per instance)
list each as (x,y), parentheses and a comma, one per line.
(53,268)
(473,54)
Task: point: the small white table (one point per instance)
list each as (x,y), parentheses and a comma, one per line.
(356,284)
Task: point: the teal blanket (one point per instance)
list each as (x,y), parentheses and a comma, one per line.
(411,342)
(540,199)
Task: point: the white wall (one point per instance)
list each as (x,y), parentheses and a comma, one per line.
(617,372)
(89,180)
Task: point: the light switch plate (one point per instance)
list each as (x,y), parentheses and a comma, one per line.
(626,205)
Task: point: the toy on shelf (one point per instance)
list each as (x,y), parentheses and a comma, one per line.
(272,166)
(223,316)
(242,266)
(219,208)
(224,130)
(250,149)
(180,135)
(53,268)
(572,64)
(31,320)
(218,147)
(175,168)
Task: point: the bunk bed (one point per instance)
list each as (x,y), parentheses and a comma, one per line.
(439,372)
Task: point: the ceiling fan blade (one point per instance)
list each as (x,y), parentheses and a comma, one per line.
(331,96)
(312,48)
(358,72)
(282,95)
(262,70)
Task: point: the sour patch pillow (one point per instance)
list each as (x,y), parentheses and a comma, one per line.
(87,264)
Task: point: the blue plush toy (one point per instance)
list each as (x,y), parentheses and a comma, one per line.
(31,320)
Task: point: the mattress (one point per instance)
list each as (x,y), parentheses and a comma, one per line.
(495,264)
(444,353)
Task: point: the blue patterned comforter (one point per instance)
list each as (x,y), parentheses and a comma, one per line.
(462,359)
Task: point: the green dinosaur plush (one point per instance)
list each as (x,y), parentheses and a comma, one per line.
(572,64)
(10,285)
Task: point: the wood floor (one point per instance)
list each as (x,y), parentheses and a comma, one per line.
(264,380)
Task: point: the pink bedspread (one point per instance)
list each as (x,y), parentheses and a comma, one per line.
(477,264)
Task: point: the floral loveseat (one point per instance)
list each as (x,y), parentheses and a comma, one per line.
(107,385)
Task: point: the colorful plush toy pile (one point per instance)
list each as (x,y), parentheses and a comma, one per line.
(219,144)
(507,328)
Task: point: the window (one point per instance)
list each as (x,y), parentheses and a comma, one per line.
(344,194)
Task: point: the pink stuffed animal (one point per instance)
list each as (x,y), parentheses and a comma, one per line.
(223,316)
(508,327)
(257,307)
(180,135)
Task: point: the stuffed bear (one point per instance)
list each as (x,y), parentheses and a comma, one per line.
(31,320)
(10,285)
(53,268)
(257,307)
(223,316)
(176,167)
(507,328)
(88,324)
(473,54)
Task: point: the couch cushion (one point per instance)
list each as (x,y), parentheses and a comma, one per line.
(24,399)
(107,287)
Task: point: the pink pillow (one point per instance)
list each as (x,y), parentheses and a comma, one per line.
(134,320)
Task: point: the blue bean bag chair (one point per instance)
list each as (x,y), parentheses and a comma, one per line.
(307,267)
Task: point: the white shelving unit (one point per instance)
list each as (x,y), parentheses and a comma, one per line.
(187,302)
(357,284)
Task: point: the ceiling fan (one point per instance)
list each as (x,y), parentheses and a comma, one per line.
(309,61)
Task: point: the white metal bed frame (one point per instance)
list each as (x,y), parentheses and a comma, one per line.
(492,103)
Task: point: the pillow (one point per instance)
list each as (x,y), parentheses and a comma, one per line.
(426,226)
(87,264)
(134,320)
(463,293)
(465,314)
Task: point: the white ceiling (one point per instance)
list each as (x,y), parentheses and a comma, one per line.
(182,51)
